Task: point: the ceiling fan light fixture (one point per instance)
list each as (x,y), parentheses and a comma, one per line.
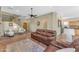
(32,15)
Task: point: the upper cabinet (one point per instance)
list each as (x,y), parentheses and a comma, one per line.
(74,24)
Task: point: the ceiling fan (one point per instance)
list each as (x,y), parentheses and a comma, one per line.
(32,15)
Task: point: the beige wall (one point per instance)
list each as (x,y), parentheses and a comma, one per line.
(1,29)
(1,26)
(42,20)
(50,18)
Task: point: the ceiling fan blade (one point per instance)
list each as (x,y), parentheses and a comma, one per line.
(32,15)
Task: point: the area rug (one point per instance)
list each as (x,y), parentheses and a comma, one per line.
(26,45)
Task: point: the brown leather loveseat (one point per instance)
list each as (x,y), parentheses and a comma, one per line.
(56,46)
(75,44)
(44,36)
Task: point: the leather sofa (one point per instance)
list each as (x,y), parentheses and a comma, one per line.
(51,48)
(56,46)
(44,36)
(75,44)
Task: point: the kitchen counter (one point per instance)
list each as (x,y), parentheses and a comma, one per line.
(77,32)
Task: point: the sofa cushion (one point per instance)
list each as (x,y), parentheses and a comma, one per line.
(45,34)
(51,48)
(49,34)
(51,31)
(51,38)
(40,30)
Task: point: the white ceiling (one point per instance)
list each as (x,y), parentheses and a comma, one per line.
(65,11)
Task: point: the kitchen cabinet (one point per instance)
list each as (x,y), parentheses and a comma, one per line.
(77,32)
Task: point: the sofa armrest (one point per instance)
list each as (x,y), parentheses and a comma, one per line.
(51,48)
(66,45)
(51,38)
(57,45)
(60,44)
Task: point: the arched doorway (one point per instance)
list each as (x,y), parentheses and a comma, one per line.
(25,25)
